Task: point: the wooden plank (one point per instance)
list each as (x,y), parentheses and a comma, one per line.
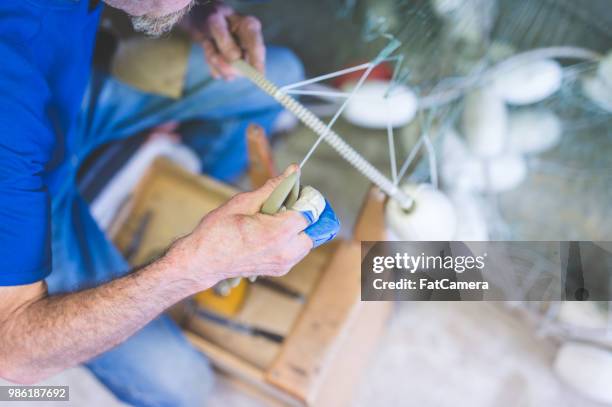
(267,399)
(370,225)
(301,365)
(257,351)
(263,308)
(346,371)
(261,163)
(305,275)
(226,361)
(240,369)
(175,201)
(268,309)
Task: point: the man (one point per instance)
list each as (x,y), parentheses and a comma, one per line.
(49,123)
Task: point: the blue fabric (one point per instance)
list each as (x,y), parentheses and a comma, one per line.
(310,217)
(156,367)
(44,69)
(325,228)
(50,121)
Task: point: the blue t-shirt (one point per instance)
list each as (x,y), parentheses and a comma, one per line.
(46,48)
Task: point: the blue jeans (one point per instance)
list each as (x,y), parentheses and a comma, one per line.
(157,366)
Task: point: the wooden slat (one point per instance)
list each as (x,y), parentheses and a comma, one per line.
(261,163)
(346,372)
(370,225)
(305,275)
(319,332)
(264,309)
(268,309)
(237,367)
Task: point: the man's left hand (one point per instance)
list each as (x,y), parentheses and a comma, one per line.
(227,36)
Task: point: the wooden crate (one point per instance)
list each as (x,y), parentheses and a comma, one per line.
(328,336)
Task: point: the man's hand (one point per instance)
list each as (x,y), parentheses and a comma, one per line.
(236,240)
(227,36)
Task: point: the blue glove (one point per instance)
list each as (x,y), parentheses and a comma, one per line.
(325,228)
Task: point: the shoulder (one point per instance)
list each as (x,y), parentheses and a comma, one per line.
(20,20)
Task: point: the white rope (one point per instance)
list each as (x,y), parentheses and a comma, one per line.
(431,155)
(326,76)
(339,112)
(392,158)
(411,156)
(328,94)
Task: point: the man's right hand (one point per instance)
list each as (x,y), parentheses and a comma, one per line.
(236,240)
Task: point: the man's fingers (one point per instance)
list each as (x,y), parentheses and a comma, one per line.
(290,170)
(305,242)
(252,202)
(296,249)
(216,62)
(292,222)
(211,56)
(220,32)
(248,31)
(261,194)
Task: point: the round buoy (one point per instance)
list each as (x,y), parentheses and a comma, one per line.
(376,104)
(583,314)
(459,169)
(445,7)
(463,171)
(604,71)
(598,91)
(528,83)
(533,131)
(431,218)
(586,368)
(471,222)
(504,172)
(485,123)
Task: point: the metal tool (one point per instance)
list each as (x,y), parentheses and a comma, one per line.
(235,325)
(281,289)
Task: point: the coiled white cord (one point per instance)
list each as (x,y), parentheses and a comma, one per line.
(331,137)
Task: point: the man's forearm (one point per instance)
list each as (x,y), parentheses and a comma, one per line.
(52,333)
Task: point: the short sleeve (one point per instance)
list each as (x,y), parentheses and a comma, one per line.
(26,143)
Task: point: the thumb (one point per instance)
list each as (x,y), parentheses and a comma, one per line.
(266,190)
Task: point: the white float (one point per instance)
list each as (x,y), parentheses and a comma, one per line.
(598,91)
(485,123)
(505,172)
(586,368)
(372,108)
(445,7)
(604,71)
(458,167)
(431,218)
(529,82)
(499,51)
(463,171)
(471,222)
(583,314)
(533,131)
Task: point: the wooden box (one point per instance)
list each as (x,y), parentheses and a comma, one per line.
(328,333)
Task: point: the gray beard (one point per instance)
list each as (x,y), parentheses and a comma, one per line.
(156,26)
